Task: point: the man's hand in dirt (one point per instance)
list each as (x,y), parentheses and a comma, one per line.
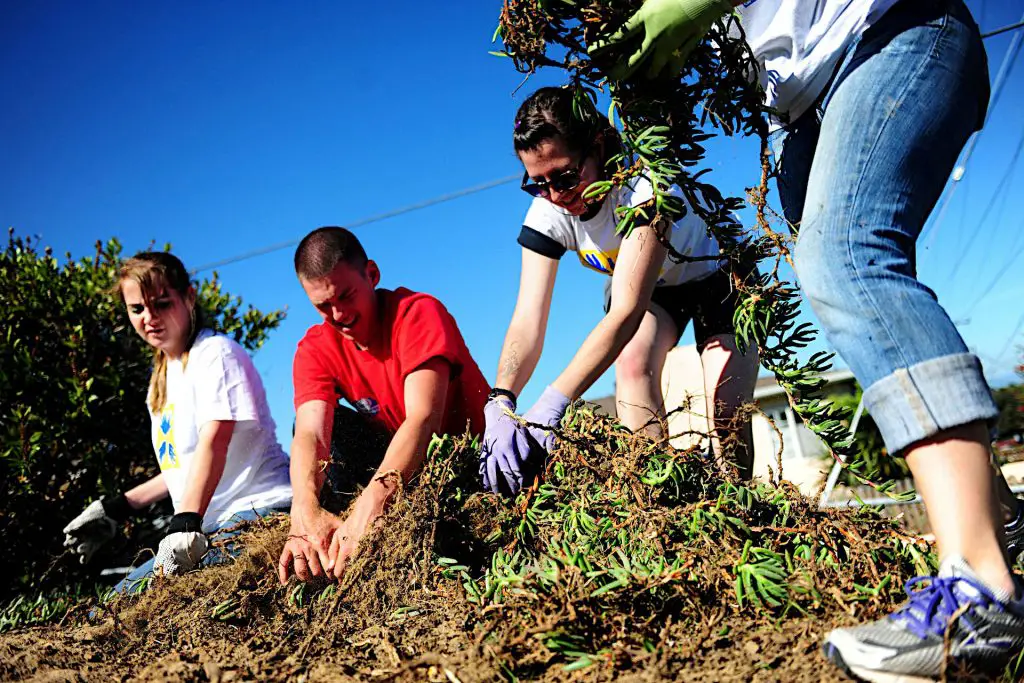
(367,509)
(309,542)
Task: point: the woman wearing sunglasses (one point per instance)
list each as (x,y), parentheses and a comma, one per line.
(648,302)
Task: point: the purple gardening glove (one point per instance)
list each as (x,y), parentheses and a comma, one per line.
(548,411)
(505,448)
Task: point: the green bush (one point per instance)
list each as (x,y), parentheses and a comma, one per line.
(1010,401)
(73,380)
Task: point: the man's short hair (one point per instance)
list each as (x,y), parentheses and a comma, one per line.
(323,249)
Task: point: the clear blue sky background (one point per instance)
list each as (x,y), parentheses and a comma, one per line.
(224,127)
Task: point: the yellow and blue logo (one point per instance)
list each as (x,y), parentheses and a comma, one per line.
(601,261)
(166,454)
(604,262)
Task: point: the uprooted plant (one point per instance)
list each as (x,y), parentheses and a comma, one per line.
(629,557)
(629,546)
(664,123)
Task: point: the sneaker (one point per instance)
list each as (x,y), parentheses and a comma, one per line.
(908,644)
(1013,531)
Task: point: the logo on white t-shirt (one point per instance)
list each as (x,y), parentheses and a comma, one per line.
(368,406)
(601,261)
(166,454)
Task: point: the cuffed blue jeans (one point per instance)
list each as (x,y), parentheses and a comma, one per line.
(858,175)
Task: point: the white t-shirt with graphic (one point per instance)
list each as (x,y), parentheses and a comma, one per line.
(799,44)
(220,382)
(551,231)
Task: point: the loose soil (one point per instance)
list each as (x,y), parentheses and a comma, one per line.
(401,613)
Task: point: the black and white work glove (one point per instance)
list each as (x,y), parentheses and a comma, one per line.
(96,525)
(184,546)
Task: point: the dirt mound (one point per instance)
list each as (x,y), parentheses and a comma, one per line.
(632,561)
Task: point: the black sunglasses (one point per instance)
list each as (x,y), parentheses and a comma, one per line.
(567,180)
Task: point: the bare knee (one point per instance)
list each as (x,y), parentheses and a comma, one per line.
(730,375)
(634,367)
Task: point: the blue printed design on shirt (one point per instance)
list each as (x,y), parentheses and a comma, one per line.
(166,454)
(601,261)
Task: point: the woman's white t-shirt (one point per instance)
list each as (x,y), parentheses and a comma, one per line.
(220,382)
(799,43)
(550,231)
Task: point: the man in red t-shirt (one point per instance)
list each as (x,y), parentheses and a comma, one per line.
(399,358)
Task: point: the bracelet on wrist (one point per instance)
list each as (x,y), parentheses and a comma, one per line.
(117,508)
(185,521)
(495,393)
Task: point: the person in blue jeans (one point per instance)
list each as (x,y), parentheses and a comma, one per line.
(212,432)
(876,100)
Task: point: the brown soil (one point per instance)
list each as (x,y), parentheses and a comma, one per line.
(397,616)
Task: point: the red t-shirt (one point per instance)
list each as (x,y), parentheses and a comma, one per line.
(416,328)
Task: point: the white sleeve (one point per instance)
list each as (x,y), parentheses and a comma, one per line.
(545,218)
(225,382)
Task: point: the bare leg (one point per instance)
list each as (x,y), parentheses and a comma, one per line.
(953,474)
(638,368)
(729,379)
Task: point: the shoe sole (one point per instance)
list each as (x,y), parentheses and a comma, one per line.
(871,676)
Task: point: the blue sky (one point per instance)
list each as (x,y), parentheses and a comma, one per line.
(223,127)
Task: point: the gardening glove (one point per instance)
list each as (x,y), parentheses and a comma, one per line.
(671,29)
(184,546)
(505,447)
(95,526)
(548,411)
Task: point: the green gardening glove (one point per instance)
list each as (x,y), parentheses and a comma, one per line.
(672,28)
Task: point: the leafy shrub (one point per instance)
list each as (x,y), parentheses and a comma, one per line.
(73,379)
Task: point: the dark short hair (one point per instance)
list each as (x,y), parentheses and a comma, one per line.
(324,248)
(554,112)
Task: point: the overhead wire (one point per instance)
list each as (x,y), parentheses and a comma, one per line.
(1004,29)
(434,201)
(998,193)
(960,169)
(1013,335)
(501,181)
(1014,251)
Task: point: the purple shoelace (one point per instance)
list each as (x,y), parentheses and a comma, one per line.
(930,608)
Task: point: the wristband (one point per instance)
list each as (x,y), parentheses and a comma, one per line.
(185,521)
(117,508)
(495,393)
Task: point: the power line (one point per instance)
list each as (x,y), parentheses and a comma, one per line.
(1019,24)
(1013,335)
(958,172)
(1014,48)
(1002,271)
(1000,191)
(363,221)
(1015,250)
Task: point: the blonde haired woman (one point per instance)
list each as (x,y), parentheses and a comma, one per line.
(212,432)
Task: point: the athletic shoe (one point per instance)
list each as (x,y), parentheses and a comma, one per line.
(908,644)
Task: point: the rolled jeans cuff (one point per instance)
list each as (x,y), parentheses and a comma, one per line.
(918,402)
